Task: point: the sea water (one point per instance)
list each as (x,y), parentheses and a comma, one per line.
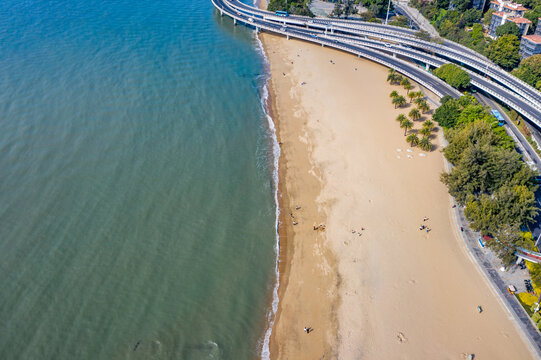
(137,198)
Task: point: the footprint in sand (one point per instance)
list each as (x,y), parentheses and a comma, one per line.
(422,154)
(398,156)
(401,338)
(412,281)
(399,150)
(409,150)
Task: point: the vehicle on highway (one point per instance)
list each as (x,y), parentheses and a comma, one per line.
(313,35)
(251,19)
(281,13)
(498,116)
(388,45)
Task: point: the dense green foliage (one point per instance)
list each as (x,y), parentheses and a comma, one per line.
(533,15)
(453,23)
(489,176)
(343,9)
(378,7)
(529,71)
(297,7)
(509,28)
(454,75)
(504,51)
(401,21)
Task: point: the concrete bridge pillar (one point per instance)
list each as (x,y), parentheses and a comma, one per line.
(394,55)
(332,30)
(221,13)
(235,21)
(427,67)
(287,37)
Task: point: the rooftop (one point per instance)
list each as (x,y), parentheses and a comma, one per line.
(536,39)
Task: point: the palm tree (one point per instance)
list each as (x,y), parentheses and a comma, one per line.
(401,118)
(418,100)
(414,114)
(404,82)
(425,131)
(419,94)
(428,124)
(398,78)
(401,101)
(424,107)
(391,75)
(425,143)
(408,87)
(393,94)
(412,95)
(406,125)
(412,139)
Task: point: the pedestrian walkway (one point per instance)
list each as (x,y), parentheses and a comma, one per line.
(490,266)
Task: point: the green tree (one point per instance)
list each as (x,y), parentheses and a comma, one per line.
(529,70)
(504,51)
(393,94)
(424,107)
(399,101)
(412,139)
(414,114)
(487,18)
(406,125)
(425,131)
(453,75)
(412,95)
(447,114)
(445,99)
(401,118)
(508,28)
(428,124)
(408,87)
(400,20)
(425,143)
(405,81)
(338,10)
(534,15)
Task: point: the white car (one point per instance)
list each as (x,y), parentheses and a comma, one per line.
(251,19)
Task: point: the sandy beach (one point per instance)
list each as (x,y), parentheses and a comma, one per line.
(392,292)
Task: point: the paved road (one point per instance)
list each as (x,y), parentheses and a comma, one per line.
(447,51)
(416,17)
(499,286)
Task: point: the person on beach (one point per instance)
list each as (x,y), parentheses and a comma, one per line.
(425,218)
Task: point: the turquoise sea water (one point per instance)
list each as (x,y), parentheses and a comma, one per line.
(136,191)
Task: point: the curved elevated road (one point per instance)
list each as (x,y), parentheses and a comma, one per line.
(522,97)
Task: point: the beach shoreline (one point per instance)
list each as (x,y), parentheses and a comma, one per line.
(344,163)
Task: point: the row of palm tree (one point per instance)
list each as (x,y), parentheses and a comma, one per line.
(397,99)
(424,143)
(395,78)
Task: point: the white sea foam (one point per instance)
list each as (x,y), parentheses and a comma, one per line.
(265,348)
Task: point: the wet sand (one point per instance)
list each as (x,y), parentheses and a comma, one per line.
(394,292)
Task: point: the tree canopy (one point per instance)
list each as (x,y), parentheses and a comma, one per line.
(489,176)
(504,51)
(453,75)
(509,28)
(529,71)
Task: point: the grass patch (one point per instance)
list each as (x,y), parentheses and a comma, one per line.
(524,305)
